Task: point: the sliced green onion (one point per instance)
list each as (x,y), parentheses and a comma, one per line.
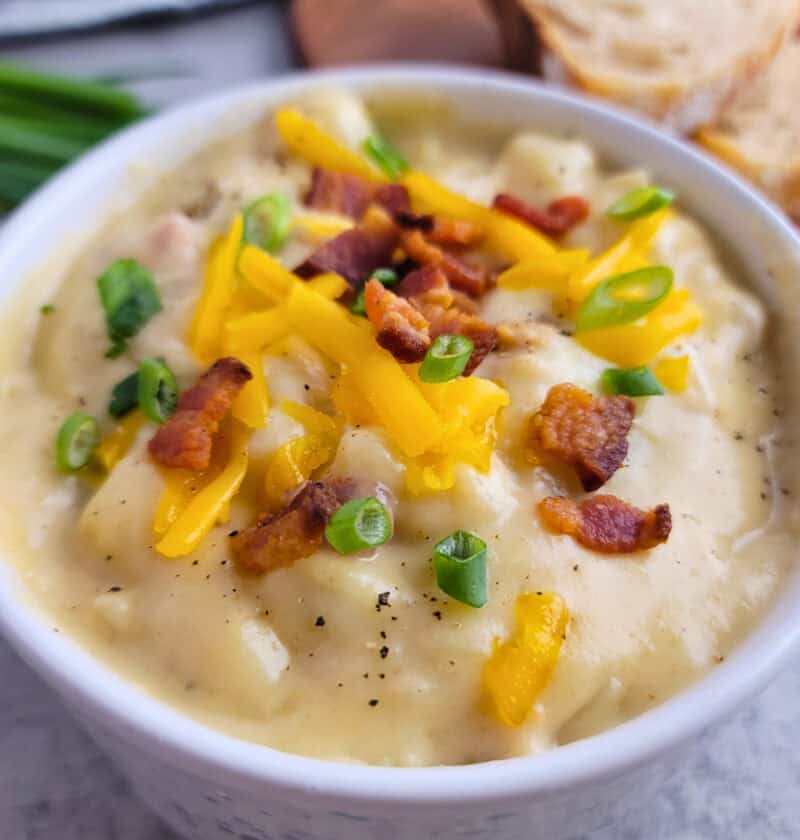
(639,203)
(78,94)
(20,178)
(13,105)
(124,396)
(633,382)
(624,298)
(359,524)
(381,152)
(387,276)
(460,565)
(446,358)
(267,221)
(47,309)
(157,390)
(22,137)
(130,298)
(76,441)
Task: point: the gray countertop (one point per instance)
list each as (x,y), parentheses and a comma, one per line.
(740,781)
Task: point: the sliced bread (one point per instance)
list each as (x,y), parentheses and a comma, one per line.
(758,131)
(676,60)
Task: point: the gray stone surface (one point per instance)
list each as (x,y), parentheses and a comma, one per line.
(739,782)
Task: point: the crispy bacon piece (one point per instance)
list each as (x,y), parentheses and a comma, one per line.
(350,195)
(440,230)
(426,285)
(455,321)
(400,327)
(606,523)
(392,197)
(185,440)
(466,278)
(354,254)
(589,434)
(338,192)
(281,539)
(556,219)
(447,311)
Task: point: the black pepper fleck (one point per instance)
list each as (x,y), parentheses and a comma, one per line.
(373,702)
(384,652)
(115,589)
(320,622)
(437,615)
(234,533)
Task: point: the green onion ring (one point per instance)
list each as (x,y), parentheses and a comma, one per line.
(76,441)
(157,390)
(459,562)
(359,524)
(606,306)
(267,222)
(639,203)
(446,358)
(385,156)
(633,382)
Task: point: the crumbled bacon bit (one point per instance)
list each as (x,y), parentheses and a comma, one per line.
(350,195)
(466,278)
(448,312)
(607,524)
(400,328)
(559,217)
(338,192)
(440,230)
(426,285)
(185,440)
(590,434)
(281,539)
(392,197)
(354,254)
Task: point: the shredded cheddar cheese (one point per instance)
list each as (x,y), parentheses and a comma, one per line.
(519,669)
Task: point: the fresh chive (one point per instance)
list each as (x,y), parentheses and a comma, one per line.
(446,358)
(124,396)
(130,298)
(13,105)
(17,137)
(386,276)
(632,382)
(385,156)
(624,298)
(47,309)
(459,562)
(267,221)
(639,203)
(359,524)
(157,390)
(76,441)
(78,94)
(18,179)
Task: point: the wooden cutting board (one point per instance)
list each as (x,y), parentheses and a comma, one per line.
(331,32)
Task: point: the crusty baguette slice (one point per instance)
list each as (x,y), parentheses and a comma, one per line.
(758,131)
(676,60)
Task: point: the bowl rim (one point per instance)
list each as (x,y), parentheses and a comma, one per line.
(183,741)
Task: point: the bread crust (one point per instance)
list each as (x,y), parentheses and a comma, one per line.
(681,107)
(777,172)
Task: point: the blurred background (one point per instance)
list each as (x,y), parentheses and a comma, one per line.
(74,71)
(722,73)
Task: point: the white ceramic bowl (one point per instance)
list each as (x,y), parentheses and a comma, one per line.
(209,785)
